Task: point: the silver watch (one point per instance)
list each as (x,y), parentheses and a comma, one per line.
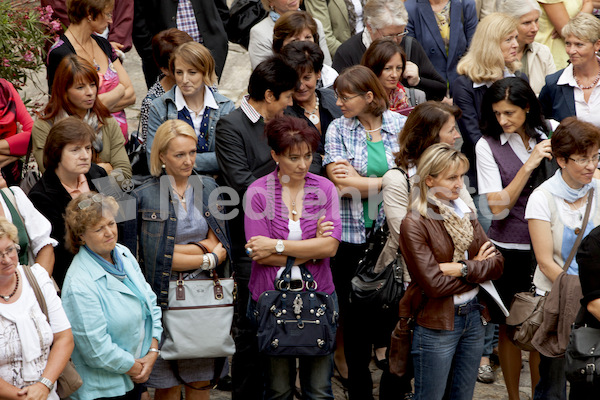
(464,270)
(279,247)
(46,382)
(154,350)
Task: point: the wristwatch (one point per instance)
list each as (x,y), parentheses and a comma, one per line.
(464,270)
(46,382)
(154,350)
(279,247)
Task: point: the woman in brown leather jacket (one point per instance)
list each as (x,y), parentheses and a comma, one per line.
(448,255)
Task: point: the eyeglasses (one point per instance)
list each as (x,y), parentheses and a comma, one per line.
(108,15)
(345,99)
(83,204)
(397,36)
(9,252)
(582,162)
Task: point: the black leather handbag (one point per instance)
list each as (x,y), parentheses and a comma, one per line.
(582,357)
(296,322)
(243,15)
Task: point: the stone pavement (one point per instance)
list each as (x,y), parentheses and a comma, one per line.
(234,85)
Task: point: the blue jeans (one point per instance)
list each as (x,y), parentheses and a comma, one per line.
(491,339)
(315,377)
(553,381)
(447,361)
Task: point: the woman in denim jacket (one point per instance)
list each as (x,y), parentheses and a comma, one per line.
(192,100)
(178,232)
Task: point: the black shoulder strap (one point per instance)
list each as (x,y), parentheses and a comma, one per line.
(405,176)
(408,46)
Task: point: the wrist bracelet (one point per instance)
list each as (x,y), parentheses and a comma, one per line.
(205,262)
(216,259)
(202,247)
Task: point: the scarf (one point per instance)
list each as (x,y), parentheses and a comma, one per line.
(352,16)
(559,188)
(459,229)
(398,98)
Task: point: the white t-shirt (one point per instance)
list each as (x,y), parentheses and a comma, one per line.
(538,208)
(295,233)
(488,174)
(26,334)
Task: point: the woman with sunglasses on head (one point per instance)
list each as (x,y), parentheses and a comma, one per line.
(555,212)
(76,94)
(359,150)
(387,60)
(514,144)
(448,255)
(116,321)
(89,19)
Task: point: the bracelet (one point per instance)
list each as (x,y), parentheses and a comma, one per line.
(216,259)
(205,262)
(46,382)
(202,247)
(154,350)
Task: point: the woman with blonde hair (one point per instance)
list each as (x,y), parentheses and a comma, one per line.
(536,58)
(192,240)
(491,57)
(448,255)
(193,101)
(574,91)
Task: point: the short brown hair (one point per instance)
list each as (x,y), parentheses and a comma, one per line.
(380,52)
(78,10)
(67,131)
(165,42)
(290,24)
(361,80)
(199,57)
(80,216)
(574,136)
(286,132)
(421,130)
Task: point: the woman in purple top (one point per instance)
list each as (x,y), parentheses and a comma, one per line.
(292,213)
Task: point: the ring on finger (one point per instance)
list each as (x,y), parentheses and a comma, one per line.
(249,251)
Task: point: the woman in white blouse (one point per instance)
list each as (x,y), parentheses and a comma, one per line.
(33,351)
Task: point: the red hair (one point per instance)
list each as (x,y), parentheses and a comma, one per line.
(71,70)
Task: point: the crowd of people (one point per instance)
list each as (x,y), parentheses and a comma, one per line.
(468,132)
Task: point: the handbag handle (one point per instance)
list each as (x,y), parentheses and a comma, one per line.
(218,288)
(283,282)
(586,217)
(37,290)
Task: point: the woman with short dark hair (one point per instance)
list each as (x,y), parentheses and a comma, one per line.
(291,192)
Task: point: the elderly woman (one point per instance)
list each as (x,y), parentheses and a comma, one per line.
(510,162)
(387,60)
(456,21)
(36,347)
(69,172)
(163,44)
(555,212)
(76,94)
(317,106)
(294,232)
(491,57)
(575,90)
(388,19)
(89,19)
(193,101)
(359,149)
(536,59)
(555,15)
(161,255)
(116,322)
(300,26)
(261,35)
(15,132)
(448,255)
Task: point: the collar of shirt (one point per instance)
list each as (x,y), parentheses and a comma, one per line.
(460,207)
(82,186)
(507,74)
(366,38)
(209,100)
(504,137)
(567,77)
(250,111)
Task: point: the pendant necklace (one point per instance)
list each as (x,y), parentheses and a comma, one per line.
(96,65)
(312,115)
(181,197)
(7,298)
(370,131)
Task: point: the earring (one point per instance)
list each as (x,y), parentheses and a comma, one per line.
(164,166)
(277,163)
(89,19)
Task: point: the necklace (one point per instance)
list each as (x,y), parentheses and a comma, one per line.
(369,131)
(6,298)
(96,65)
(593,83)
(312,115)
(179,195)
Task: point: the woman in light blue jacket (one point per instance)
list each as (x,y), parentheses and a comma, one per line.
(115,320)
(192,100)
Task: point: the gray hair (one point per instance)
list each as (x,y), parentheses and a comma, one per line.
(379,14)
(584,27)
(518,8)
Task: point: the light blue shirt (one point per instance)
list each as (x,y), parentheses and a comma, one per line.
(106,318)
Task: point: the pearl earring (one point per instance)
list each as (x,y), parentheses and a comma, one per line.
(277,162)
(164,166)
